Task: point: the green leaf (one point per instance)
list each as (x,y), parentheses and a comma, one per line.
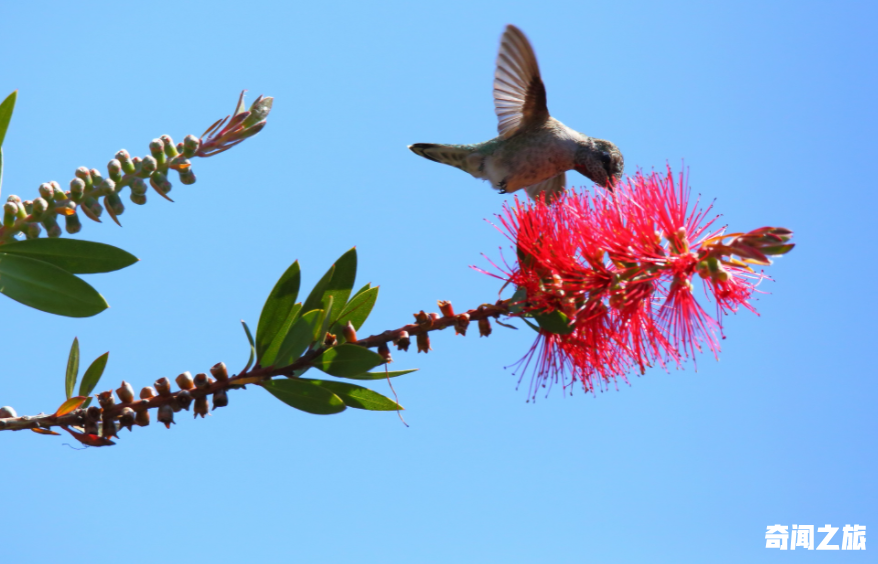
(72,368)
(252,346)
(315,298)
(277,309)
(305,396)
(357,310)
(93,374)
(358,396)
(555,322)
(269,357)
(6,108)
(361,290)
(298,339)
(324,323)
(73,255)
(337,283)
(342,282)
(1,167)
(347,360)
(48,288)
(517,300)
(380,375)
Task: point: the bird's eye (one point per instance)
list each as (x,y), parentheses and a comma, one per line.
(605,157)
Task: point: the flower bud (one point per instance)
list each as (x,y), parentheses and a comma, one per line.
(96,177)
(163,387)
(14,198)
(424,342)
(147,166)
(47,191)
(445,308)
(39,207)
(137,199)
(402,342)
(128,418)
(190,145)
(484,327)
(147,393)
(72,224)
(461,322)
(201,407)
(182,399)
(106,399)
(185,381)
(329,340)
(169,147)
(7,412)
(159,181)
(124,159)
(10,214)
(220,399)
(157,149)
(220,372)
(142,418)
(201,380)
(350,334)
(384,351)
(77,187)
(91,208)
(51,224)
(105,187)
(166,415)
(125,392)
(187,177)
(114,169)
(32,231)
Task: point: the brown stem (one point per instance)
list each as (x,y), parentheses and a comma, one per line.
(254,375)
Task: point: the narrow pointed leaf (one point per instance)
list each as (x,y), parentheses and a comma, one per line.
(361,290)
(93,374)
(6,108)
(357,310)
(347,360)
(72,368)
(70,405)
(324,325)
(269,357)
(41,431)
(48,288)
(342,282)
(380,375)
(297,340)
(305,396)
(252,346)
(73,255)
(358,396)
(277,308)
(1,168)
(315,298)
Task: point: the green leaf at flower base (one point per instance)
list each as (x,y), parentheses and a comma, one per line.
(6,108)
(305,396)
(358,396)
(252,346)
(555,322)
(347,360)
(517,301)
(380,375)
(48,288)
(277,309)
(298,339)
(92,376)
(73,255)
(72,368)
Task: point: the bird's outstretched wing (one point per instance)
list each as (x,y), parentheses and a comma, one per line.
(519,94)
(552,187)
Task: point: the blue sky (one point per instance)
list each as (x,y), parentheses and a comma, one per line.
(772,106)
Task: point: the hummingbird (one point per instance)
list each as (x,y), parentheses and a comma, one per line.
(534,150)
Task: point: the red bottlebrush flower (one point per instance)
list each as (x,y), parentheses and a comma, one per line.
(608,278)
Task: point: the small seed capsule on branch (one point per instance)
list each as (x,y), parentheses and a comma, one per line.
(142,418)
(163,386)
(185,381)
(108,429)
(169,146)
(484,327)
(445,308)
(166,415)
(72,224)
(220,372)
(106,399)
(182,400)
(329,340)
(125,392)
(403,341)
(220,399)
(7,412)
(201,407)
(350,334)
(461,322)
(424,342)
(384,351)
(128,418)
(147,393)
(201,380)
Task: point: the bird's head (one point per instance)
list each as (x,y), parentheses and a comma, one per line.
(601,161)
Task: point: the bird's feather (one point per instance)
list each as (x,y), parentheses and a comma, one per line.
(519,94)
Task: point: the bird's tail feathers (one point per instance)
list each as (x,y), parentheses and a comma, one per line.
(453,155)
